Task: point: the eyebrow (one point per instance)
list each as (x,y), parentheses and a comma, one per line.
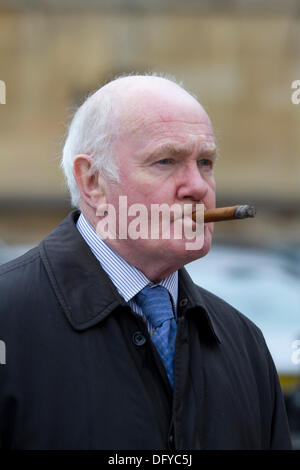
(208,149)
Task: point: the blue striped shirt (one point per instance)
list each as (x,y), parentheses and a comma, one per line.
(128,279)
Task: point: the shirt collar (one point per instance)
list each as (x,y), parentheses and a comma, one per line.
(65,251)
(127,279)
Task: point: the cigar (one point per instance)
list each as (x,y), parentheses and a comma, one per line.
(227,213)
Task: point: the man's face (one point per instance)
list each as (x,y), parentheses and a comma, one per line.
(166,154)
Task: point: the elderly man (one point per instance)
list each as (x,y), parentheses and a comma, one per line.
(109,344)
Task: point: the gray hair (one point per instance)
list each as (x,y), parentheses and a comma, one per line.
(91,133)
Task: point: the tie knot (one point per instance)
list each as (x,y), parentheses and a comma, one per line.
(156,304)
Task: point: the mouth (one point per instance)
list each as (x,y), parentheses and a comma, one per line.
(187,210)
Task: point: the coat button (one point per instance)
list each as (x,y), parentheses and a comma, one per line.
(138,338)
(183,302)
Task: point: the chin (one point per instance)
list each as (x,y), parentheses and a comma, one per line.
(178,252)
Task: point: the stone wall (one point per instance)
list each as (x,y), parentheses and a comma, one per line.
(240,66)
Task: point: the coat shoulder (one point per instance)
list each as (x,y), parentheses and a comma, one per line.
(15,268)
(228,318)
(20,278)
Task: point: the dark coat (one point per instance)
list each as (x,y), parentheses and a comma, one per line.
(81,371)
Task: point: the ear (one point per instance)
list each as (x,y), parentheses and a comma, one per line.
(92,186)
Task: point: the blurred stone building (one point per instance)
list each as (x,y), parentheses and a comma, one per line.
(239,57)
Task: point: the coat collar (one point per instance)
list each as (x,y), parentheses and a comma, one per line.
(85,292)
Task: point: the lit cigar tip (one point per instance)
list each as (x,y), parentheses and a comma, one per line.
(242,212)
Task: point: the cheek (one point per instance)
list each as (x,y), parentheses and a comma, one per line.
(146,191)
(134,193)
(211,194)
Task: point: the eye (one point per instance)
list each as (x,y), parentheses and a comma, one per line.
(165,161)
(205,162)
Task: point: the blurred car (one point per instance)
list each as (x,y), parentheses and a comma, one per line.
(264,285)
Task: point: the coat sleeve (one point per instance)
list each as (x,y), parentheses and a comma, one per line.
(280,432)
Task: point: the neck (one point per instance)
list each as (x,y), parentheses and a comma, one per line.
(156,264)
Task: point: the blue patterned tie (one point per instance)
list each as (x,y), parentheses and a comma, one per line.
(156,305)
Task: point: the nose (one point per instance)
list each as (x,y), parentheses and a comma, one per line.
(192,186)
